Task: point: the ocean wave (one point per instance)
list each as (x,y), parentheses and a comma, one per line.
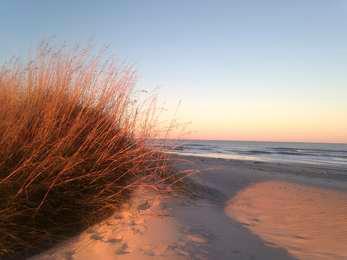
(296,152)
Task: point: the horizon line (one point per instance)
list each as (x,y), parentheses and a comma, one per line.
(259,141)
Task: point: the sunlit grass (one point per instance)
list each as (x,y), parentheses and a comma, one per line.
(73,143)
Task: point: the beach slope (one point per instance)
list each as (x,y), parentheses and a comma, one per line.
(229,209)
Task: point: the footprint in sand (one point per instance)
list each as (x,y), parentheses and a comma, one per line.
(114,240)
(158,250)
(96,236)
(123,249)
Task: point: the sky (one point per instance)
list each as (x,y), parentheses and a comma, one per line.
(238,70)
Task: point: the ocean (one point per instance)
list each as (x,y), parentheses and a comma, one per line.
(312,153)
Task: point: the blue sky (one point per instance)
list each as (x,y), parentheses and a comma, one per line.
(259,70)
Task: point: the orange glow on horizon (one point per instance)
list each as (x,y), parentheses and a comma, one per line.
(273,138)
(266,121)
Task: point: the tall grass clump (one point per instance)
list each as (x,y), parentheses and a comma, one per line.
(73,143)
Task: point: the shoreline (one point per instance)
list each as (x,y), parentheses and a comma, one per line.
(196,224)
(313,174)
(333,155)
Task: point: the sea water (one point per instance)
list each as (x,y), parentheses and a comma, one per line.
(312,153)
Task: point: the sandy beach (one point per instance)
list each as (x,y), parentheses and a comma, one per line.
(232,210)
(173,130)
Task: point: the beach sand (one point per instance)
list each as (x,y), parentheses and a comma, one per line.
(231,210)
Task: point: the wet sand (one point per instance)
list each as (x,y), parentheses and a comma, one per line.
(233,210)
